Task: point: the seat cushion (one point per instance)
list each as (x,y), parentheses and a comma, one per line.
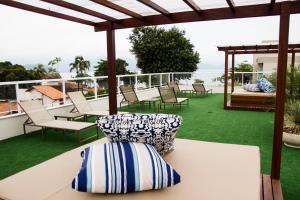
(158,130)
(67,125)
(123,168)
(251,88)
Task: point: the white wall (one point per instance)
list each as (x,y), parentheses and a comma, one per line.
(11,126)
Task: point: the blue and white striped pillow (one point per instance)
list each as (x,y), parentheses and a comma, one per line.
(265,86)
(123,167)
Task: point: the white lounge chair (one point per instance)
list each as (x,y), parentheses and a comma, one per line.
(83,107)
(40,117)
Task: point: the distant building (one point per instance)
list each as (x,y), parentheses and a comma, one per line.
(268,62)
(48,94)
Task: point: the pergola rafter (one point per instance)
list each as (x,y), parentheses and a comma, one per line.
(155,7)
(272,3)
(193,6)
(117,8)
(231,5)
(81,9)
(43,11)
(260,10)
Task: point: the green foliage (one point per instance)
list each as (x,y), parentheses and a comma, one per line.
(80,66)
(293,110)
(52,63)
(243,67)
(198,81)
(159,50)
(121,67)
(39,71)
(10,72)
(293,83)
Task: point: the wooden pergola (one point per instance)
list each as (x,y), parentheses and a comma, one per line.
(129,14)
(249,49)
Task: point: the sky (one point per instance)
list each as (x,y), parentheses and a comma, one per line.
(27,38)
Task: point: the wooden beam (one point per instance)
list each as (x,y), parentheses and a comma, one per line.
(293,58)
(232,71)
(280,89)
(261,52)
(226,79)
(81,9)
(260,10)
(117,8)
(111,70)
(231,5)
(256,47)
(43,11)
(155,7)
(272,3)
(193,6)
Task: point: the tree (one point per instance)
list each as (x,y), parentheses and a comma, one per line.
(52,63)
(39,71)
(158,50)
(243,67)
(80,66)
(121,67)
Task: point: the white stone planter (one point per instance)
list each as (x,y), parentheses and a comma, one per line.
(291,140)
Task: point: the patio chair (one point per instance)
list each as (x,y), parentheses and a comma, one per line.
(82,106)
(130,97)
(177,89)
(168,96)
(200,89)
(40,117)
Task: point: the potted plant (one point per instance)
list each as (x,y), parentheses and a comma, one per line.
(291,130)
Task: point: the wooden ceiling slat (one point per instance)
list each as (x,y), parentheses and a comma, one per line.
(193,5)
(81,9)
(118,8)
(231,5)
(260,10)
(155,7)
(43,11)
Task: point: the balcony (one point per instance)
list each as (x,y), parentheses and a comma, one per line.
(204,120)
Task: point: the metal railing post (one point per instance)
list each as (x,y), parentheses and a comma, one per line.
(160,79)
(118,84)
(135,82)
(169,77)
(150,81)
(173,77)
(95,88)
(242,79)
(17,97)
(64,91)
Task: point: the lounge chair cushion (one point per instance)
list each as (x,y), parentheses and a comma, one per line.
(251,88)
(66,125)
(265,86)
(158,130)
(123,168)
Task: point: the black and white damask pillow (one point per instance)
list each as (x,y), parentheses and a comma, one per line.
(158,130)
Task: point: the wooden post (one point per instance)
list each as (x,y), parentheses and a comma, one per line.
(226,79)
(232,71)
(280,91)
(111,70)
(293,58)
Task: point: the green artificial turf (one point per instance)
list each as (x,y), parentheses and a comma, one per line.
(204,119)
